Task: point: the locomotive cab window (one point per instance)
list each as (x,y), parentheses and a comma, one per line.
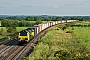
(23,33)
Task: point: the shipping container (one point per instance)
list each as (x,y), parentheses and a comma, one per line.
(63,21)
(47,25)
(68,21)
(53,23)
(43,26)
(60,22)
(50,23)
(38,26)
(57,22)
(35,30)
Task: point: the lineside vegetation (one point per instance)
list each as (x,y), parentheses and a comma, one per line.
(64,42)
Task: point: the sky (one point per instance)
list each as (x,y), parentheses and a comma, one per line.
(45,7)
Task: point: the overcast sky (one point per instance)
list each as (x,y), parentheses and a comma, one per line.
(47,7)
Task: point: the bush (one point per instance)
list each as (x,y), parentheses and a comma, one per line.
(62,54)
(63,27)
(38,22)
(69,31)
(11,29)
(1,31)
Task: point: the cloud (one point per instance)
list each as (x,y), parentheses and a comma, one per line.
(87,1)
(55,6)
(33,5)
(8,3)
(71,4)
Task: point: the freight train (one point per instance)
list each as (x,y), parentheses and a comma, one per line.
(29,33)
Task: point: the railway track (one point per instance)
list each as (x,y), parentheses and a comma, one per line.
(4,48)
(12,51)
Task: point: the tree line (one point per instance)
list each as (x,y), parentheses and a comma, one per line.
(26,21)
(29,21)
(45,18)
(16,23)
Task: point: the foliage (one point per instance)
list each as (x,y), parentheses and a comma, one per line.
(11,29)
(1,31)
(58,18)
(2,39)
(0,23)
(16,23)
(38,22)
(62,26)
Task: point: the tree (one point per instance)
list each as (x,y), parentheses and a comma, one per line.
(30,18)
(74,18)
(58,19)
(38,22)
(36,18)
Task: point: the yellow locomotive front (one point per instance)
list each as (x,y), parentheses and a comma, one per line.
(24,36)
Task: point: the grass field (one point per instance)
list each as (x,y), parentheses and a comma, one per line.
(59,45)
(4,32)
(4,29)
(18,29)
(83,35)
(42,21)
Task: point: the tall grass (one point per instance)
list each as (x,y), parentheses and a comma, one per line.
(83,35)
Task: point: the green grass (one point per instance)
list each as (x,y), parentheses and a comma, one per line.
(18,29)
(4,29)
(84,23)
(42,21)
(83,35)
(0,23)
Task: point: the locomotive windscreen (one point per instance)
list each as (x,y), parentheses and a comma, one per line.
(23,33)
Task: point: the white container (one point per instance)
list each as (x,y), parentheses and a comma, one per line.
(60,21)
(55,22)
(47,25)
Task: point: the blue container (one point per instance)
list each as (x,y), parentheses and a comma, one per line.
(35,30)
